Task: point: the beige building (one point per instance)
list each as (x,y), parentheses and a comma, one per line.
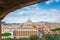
(27,29)
(21,30)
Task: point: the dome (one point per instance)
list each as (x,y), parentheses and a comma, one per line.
(29,20)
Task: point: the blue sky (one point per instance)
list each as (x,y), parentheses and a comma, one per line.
(48,11)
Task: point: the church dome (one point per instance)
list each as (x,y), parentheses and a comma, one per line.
(29,20)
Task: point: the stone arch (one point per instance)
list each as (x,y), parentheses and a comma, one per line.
(7,6)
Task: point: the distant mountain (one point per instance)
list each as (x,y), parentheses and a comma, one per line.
(49,24)
(3,23)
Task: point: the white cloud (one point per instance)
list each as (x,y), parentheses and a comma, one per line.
(36,14)
(15,20)
(57,0)
(51,1)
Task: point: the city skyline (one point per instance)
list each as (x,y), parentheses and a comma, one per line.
(46,11)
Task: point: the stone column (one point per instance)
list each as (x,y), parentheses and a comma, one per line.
(0,30)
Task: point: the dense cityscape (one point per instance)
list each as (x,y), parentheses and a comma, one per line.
(29,19)
(21,30)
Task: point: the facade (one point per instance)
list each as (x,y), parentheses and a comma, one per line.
(29,28)
(21,30)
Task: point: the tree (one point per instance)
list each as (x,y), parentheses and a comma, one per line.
(48,36)
(41,39)
(56,37)
(34,37)
(24,38)
(6,34)
(6,39)
(56,29)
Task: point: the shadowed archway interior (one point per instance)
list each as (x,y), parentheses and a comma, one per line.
(7,6)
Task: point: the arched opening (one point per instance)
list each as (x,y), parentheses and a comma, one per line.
(46,13)
(24,20)
(7,7)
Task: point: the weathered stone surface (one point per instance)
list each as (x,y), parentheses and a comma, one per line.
(0,30)
(7,6)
